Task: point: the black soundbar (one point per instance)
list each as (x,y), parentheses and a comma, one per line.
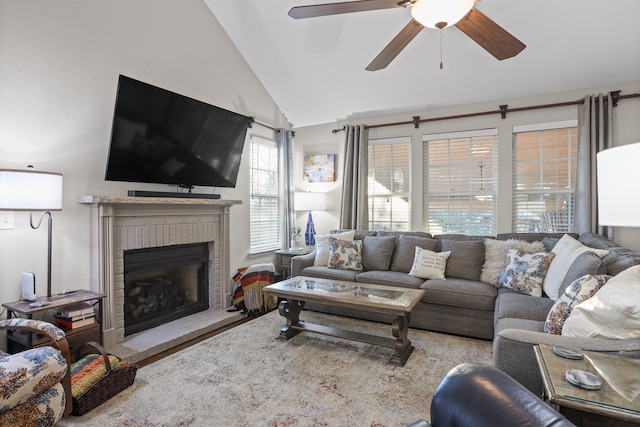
(140,193)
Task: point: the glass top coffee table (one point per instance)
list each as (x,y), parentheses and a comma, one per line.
(396,301)
(619,397)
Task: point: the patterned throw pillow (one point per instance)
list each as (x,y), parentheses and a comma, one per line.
(428,264)
(345,255)
(525,272)
(579,290)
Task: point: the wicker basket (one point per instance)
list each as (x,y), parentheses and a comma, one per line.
(112,383)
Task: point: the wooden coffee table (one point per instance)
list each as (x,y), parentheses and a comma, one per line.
(377,298)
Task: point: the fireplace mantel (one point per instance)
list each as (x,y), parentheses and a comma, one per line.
(120,223)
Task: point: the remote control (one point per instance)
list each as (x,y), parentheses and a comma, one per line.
(38,304)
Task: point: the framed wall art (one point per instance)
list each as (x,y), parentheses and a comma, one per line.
(319,168)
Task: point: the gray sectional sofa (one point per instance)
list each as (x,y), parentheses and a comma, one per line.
(463,304)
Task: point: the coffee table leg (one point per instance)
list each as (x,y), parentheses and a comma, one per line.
(290,310)
(400,330)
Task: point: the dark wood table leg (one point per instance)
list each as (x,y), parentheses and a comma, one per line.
(290,310)
(403,348)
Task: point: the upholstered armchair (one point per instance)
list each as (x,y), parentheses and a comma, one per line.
(35,385)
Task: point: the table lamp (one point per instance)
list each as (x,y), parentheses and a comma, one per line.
(28,190)
(310,202)
(618,177)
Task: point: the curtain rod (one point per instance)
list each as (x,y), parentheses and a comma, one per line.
(615,97)
(253,120)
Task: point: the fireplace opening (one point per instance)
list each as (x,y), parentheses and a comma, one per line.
(164,284)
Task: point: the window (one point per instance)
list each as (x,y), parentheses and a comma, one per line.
(389,184)
(461,182)
(544,170)
(264,204)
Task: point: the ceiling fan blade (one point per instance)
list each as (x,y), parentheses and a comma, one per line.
(396,45)
(491,36)
(314,10)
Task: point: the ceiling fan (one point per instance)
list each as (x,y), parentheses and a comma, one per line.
(425,13)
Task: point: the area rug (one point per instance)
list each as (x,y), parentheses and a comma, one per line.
(246,377)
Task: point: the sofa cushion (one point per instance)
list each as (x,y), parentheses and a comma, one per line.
(532,237)
(405,249)
(524,272)
(345,255)
(325,272)
(579,290)
(429,264)
(495,255)
(322,246)
(586,263)
(566,250)
(377,251)
(389,278)
(460,293)
(512,304)
(465,261)
(612,312)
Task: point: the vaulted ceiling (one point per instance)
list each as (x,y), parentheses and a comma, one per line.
(315,68)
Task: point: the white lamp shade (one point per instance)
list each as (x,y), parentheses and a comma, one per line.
(432,12)
(23,190)
(618,173)
(310,201)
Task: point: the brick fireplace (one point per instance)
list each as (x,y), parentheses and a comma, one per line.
(125,224)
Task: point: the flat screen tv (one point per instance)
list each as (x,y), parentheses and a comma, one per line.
(159,136)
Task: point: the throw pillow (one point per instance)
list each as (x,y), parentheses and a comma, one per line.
(524,272)
(586,263)
(376,252)
(612,312)
(429,264)
(466,258)
(405,250)
(322,246)
(567,250)
(495,253)
(345,255)
(579,290)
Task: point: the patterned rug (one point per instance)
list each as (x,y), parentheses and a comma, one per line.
(245,377)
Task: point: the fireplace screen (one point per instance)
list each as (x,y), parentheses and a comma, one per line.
(164,284)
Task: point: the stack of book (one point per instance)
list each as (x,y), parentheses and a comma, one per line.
(75,315)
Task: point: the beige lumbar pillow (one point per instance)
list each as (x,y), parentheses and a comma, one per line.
(322,246)
(613,312)
(429,264)
(495,254)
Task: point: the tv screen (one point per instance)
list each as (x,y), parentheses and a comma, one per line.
(159,136)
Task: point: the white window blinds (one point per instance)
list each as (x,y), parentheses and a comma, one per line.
(264,198)
(544,168)
(461,182)
(389,184)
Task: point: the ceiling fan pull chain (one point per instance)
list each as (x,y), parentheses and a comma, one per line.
(441,48)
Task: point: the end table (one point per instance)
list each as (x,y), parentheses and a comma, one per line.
(283,259)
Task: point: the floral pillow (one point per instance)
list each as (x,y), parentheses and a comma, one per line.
(579,290)
(524,272)
(345,255)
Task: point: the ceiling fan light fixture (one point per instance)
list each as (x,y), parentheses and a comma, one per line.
(440,13)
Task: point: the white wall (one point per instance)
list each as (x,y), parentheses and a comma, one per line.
(59,66)
(320,140)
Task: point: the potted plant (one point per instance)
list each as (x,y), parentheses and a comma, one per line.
(296,232)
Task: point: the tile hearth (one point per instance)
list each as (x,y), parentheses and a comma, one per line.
(148,343)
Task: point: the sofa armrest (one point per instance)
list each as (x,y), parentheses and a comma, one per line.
(299,262)
(513,352)
(58,340)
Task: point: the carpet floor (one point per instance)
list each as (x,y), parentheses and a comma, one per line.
(246,377)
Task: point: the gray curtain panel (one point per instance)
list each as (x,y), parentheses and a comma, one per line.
(595,133)
(354,213)
(284,139)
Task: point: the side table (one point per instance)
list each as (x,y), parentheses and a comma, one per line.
(283,260)
(21,340)
(617,403)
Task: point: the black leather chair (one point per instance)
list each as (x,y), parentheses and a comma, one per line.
(483,396)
